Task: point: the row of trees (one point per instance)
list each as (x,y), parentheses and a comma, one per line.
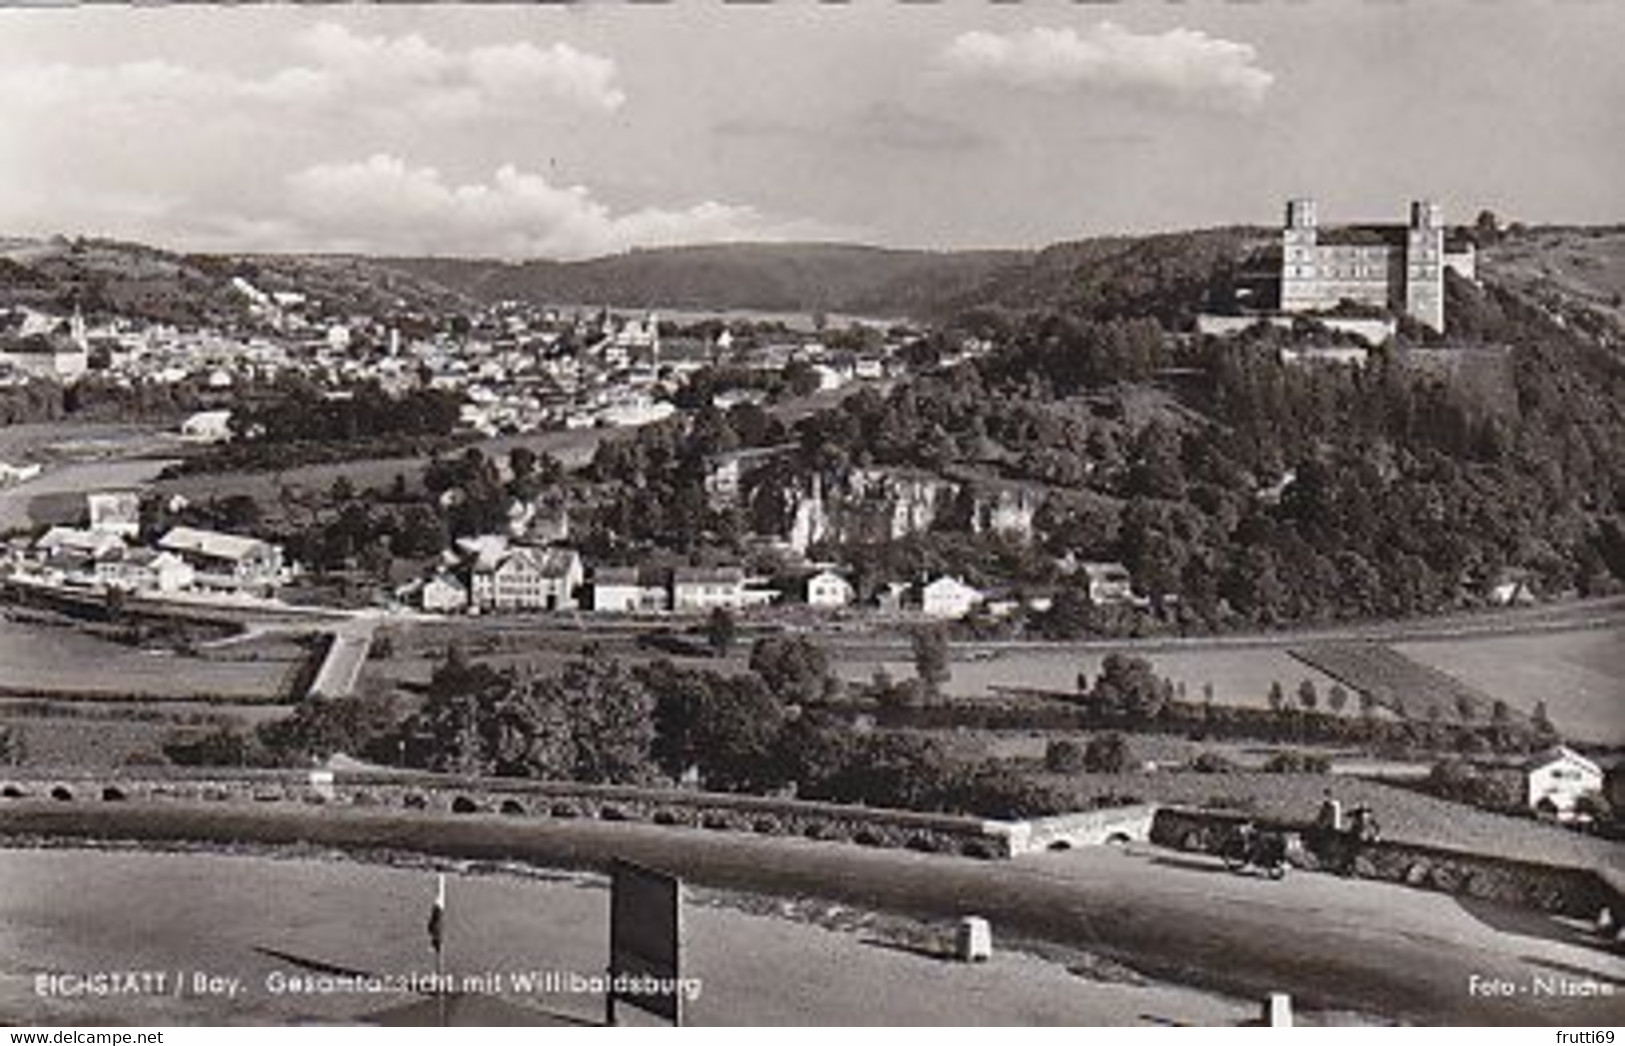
(598,721)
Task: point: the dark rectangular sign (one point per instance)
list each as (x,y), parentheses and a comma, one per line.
(645,940)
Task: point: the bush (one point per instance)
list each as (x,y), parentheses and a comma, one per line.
(1212,763)
(1063,757)
(1292,761)
(1106,754)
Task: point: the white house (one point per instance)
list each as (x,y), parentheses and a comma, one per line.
(828,590)
(707,588)
(145,570)
(1557,779)
(948,598)
(615,590)
(524,578)
(75,543)
(1110,584)
(208,426)
(624,590)
(443,594)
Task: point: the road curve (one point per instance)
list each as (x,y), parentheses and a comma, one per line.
(1410,955)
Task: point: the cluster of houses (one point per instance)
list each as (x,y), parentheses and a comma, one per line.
(495,574)
(518,367)
(498,577)
(104,556)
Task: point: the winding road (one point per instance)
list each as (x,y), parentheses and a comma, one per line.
(1408,955)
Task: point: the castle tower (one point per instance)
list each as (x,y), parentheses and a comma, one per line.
(1298,269)
(1424,264)
(1300,214)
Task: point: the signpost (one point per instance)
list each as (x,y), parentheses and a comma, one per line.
(645,941)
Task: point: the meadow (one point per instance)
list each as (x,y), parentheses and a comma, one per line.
(1580,675)
(58,660)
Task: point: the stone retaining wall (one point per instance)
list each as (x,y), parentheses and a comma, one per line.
(1559,889)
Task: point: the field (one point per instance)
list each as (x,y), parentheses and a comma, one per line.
(1580,675)
(1411,689)
(58,659)
(1239,676)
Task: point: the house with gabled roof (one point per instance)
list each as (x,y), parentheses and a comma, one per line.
(524,578)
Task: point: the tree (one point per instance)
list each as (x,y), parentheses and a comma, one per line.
(1106,754)
(1128,687)
(363,725)
(1277,697)
(1308,697)
(521,461)
(458,714)
(931,657)
(726,727)
(1337,698)
(1545,731)
(611,717)
(795,668)
(721,631)
(13,750)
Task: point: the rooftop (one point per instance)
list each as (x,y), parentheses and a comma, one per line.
(211,543)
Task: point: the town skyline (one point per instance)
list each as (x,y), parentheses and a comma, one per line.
(582,132)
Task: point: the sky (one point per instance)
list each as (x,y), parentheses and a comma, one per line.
(575,131)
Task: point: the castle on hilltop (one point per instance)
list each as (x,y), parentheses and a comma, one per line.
(1398,268)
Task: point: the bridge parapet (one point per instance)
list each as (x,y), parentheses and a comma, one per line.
(440,794)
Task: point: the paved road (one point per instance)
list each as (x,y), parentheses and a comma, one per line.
(1407,954)
(255,919)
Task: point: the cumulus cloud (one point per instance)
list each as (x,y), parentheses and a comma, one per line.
(1184,65)
(418,74)
(385,205)
(404,76)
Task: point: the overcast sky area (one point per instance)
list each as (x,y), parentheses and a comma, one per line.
(575,131)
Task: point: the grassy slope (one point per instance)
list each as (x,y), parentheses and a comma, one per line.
(1587,265)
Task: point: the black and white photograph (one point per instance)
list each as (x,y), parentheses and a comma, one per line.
(812,514)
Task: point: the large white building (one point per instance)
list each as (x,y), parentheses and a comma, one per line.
(526,578)
(1398,268)
(226,561)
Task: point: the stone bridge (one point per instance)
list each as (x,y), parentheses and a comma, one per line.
(441,794)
